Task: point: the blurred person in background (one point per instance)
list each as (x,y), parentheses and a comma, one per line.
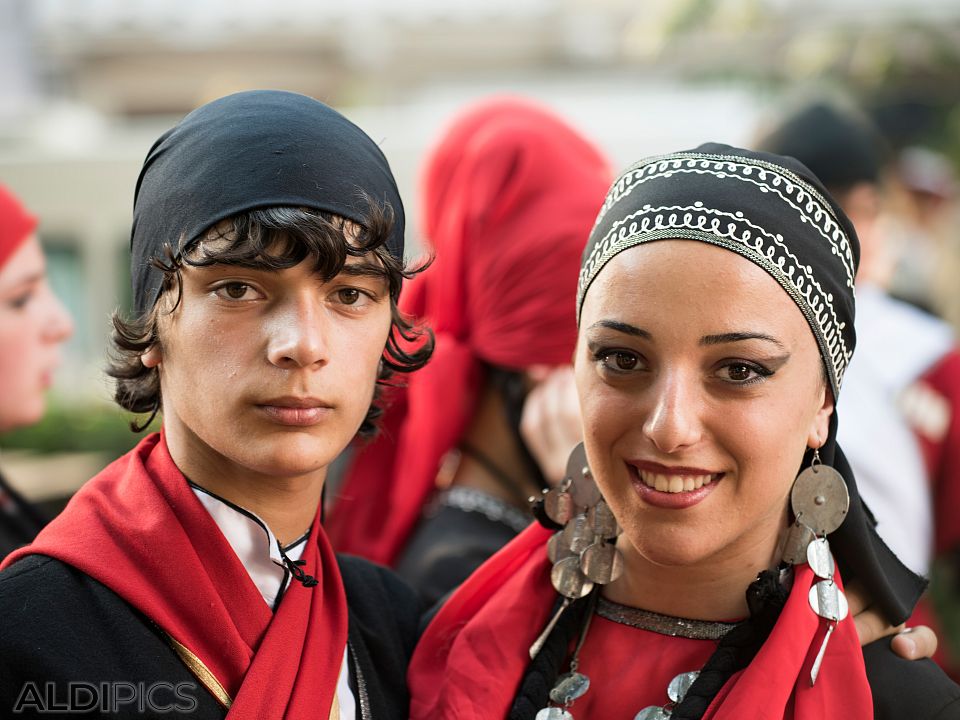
(901,401)
(33,327)
(919,228)
(509,194)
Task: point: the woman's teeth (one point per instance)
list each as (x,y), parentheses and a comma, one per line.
(674,483)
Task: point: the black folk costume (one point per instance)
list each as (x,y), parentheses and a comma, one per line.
(474,660)
(149,583)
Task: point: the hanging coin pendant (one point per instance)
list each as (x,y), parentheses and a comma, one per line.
(820,499)
(553,713)
(557,548)
(819,558)
(677,689)
(652,713)
(602,521)
(601,563)
(578,534)
(569,687)
(558,505)
(828,601)
(582,487)
(795,544)
(568,580)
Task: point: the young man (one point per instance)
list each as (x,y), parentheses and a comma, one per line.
(192,575)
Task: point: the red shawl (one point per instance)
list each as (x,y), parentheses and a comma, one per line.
(470,660)
(509,197)
(138,528)
(16,224)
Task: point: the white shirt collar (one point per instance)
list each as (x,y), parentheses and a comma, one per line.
(254,543)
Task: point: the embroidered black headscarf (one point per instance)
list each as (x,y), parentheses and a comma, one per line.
(257,149)
(774,212)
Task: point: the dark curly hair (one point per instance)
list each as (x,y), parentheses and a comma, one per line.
(272,238)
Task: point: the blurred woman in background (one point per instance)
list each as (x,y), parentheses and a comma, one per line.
(33,327)
(509,193)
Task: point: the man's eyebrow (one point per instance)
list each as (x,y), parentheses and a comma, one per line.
(622,327)
(364,269)
(739,337)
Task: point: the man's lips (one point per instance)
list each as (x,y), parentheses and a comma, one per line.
(295,411)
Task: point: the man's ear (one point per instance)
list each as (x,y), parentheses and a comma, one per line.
(152,357)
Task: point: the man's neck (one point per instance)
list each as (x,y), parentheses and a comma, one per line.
(288,505)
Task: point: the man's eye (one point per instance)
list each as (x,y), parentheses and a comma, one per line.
(348,296)
(236,291)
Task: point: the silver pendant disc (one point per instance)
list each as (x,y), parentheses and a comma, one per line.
(553,713)
(820,499)
(828,601)
(819,558)
(652,713)
(569,687)
(795,544)
(558,505)
(557,548)
(578,534)
(568,580)
(582,487)
(601,563)
(677,689)
(602,521)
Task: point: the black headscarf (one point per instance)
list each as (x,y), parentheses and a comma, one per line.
(774,212)
(257,149)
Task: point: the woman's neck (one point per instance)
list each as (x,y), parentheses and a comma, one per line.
(714,589)
(490,436)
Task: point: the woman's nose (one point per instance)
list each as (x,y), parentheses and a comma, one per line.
(674,420)
(58,323)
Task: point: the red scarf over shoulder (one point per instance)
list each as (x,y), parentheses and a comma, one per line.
(138,528)
(469,662)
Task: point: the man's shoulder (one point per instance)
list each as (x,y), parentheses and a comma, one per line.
(917,689)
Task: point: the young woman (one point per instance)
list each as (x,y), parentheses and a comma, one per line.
(691,573)
(33,327)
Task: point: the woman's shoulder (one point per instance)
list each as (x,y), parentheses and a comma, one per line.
(916,689)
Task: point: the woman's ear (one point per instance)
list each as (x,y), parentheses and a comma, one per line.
(820,427)
(152,357)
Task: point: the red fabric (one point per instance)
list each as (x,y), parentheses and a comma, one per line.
(942,454)
(471,658)
(509,197)
(16,224)
(138,528)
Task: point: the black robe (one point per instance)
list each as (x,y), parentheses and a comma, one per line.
(61,631)
(19,520)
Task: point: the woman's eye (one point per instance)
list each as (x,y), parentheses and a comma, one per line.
(620,361)
(743,373)
(21,301)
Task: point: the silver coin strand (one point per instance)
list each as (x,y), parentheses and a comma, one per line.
(471,500)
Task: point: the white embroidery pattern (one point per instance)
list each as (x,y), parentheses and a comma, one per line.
(734,231)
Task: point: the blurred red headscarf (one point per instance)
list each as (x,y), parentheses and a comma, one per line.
(509,197)
(16,224)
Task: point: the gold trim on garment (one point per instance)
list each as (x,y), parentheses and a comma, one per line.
(203,674)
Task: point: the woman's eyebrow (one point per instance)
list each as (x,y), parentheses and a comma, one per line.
(739,337)
(622,327)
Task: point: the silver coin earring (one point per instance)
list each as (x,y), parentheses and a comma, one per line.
(583,553)
(820,502)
